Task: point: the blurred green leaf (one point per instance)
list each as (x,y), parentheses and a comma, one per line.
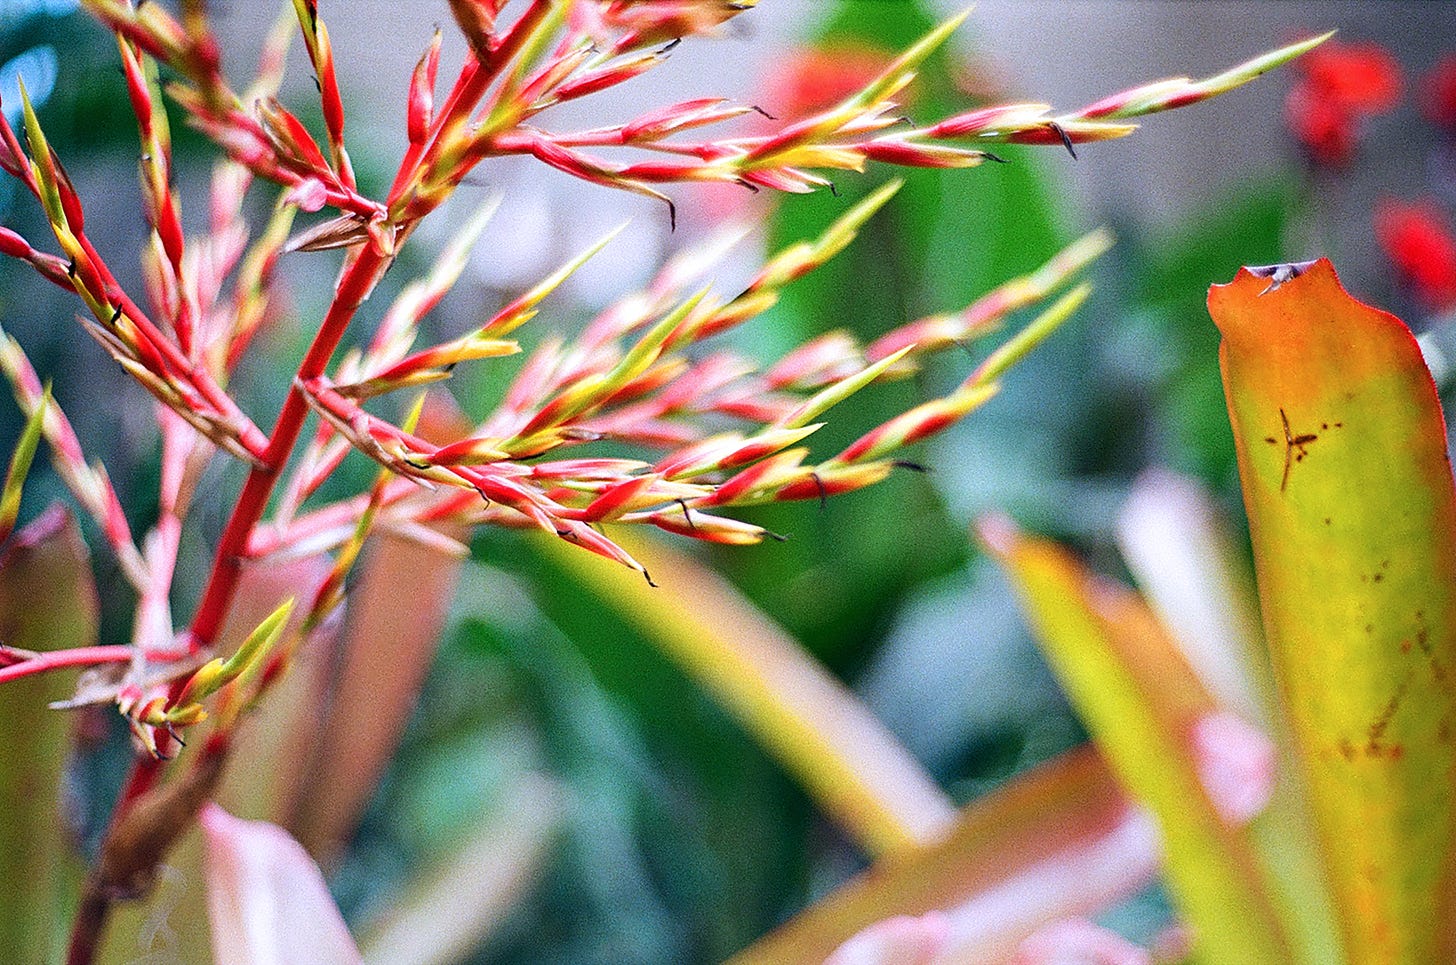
(453,904)
(855,769)
(47,602)
(680,840)
(20,467)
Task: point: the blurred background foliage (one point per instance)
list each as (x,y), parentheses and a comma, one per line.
(661,832)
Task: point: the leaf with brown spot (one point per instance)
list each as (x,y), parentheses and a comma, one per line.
(1353,519)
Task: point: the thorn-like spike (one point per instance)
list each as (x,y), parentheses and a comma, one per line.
(1066,139)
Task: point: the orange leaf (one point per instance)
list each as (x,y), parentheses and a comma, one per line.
(1352,510)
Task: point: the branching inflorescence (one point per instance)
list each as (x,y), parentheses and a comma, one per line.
(701,429)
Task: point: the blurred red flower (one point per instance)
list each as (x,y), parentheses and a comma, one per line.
(1438,93)
(1339,86)
(1418,242)
(812,79)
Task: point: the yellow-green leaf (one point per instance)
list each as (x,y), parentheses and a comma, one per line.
(1348,488)
(1146,708)
(20,466)
(1182,554)
(823,735)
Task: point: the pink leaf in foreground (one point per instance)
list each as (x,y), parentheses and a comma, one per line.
(1058,842)
(1076,941)
(902,940)
(1236,765)
(266,898)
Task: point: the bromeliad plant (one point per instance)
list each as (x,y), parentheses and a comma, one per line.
(687,430)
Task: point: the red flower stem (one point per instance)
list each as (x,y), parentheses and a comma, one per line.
(77,657)
(358,280)
(95,906)
(355,285)
(474,80)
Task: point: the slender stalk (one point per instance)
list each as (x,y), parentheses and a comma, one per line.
(57,659)
(90,925)
(358,280)
(354,287)
(94,909)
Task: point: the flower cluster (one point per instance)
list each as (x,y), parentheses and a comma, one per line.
(691,429)
(1339,87)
